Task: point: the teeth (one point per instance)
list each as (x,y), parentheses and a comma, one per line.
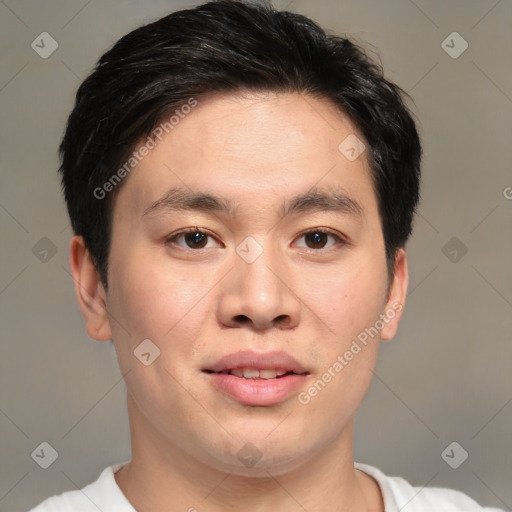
(251,373)
(267,374)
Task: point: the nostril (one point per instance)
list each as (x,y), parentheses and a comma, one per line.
(242,319)
(282,320)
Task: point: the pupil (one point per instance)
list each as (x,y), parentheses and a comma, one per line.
(317,238)
(196,238)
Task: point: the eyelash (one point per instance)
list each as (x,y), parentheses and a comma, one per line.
(340,241)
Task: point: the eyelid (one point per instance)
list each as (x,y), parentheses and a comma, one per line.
(171,238)
(321,229)
(340,238)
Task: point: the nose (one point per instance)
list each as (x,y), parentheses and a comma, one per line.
(259,295)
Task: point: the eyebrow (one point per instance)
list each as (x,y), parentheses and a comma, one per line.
(314,200)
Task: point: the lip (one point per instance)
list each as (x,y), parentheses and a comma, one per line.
(262,392)
(261,361)
(258,392)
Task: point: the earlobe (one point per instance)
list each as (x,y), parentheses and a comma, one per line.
(396,298)
(90,293)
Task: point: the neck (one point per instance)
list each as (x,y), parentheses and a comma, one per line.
(161,473)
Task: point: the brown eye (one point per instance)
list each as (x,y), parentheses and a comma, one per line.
(316,239)
(191,239)
(319,239)
(196,240)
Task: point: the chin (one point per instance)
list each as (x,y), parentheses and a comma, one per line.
(265,467)
(257,456)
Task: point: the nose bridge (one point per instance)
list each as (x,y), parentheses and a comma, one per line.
(260,292)
(260,274)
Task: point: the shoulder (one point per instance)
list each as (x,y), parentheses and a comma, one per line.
(72,501)
(400,495)
(103,494)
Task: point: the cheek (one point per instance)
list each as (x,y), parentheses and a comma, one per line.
(166,305)
(154,298)
(349,302)
(151,300)
(346,300)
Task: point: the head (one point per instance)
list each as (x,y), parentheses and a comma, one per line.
(235,120)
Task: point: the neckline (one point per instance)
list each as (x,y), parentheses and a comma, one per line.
(371,471)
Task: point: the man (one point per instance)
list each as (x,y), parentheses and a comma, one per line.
(241,188)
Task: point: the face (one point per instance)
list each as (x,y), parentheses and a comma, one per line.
(246,229)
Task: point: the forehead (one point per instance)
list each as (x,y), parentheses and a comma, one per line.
(289,126)
(253,146)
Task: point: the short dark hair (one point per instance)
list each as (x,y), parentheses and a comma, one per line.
(230,46)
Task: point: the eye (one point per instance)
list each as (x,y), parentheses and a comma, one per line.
(193,238)
(319,238)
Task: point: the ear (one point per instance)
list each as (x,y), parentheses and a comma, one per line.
(90,293)
(396,298)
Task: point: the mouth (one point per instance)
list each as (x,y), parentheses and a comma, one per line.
(255,373)
(257,379)
(254,387)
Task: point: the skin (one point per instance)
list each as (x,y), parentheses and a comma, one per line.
(196,305)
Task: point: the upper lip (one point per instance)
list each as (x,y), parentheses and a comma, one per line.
(260,361)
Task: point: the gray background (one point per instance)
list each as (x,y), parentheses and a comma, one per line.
(448,374)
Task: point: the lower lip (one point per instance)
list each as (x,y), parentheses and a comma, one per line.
(257,391)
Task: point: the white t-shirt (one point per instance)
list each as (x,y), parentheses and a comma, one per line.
(399,496)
